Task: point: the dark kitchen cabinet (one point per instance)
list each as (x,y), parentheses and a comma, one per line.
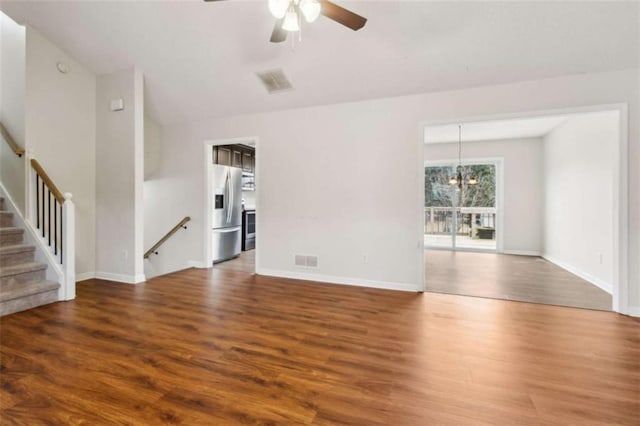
(241,156)
(248,160)
(236,158)
(222,155)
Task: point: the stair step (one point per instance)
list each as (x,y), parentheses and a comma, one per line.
(17,254)
(28,296)
(6,218)
(28,290)
(23,273)
(10,236)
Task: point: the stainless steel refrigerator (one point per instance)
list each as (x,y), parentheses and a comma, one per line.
(227,212)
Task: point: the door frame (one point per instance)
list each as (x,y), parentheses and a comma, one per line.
(207,201)
(499,164)
(620,279)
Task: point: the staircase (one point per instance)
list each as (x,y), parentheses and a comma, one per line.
(23,283)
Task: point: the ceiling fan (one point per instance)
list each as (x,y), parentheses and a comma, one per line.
(289,15)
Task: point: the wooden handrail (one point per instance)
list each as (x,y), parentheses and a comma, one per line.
(12,143)
(47,181)
(168,235)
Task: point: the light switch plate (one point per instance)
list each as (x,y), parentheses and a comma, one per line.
(117,104)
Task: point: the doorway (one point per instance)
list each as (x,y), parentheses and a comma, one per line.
(462,215)
(558,240)
(236,156)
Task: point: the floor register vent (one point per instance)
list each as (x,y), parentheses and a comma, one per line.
(306,261)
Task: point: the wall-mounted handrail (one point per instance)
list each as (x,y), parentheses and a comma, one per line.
(19,151)
(168,235)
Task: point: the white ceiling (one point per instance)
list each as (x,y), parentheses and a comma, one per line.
(200,59)
(491,130)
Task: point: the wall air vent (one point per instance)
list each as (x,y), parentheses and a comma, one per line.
(306,261)
(275,81)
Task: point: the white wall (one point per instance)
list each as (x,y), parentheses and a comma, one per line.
(119,177)
(579,199)
(357,169)
(61,134)
(522,162)
(12,95)
(151,147)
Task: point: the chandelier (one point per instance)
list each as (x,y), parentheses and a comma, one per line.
(458,178)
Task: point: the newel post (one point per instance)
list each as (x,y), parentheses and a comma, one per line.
(69,244)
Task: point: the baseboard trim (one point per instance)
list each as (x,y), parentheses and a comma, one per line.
(522,252)
(85,276)
(126,279)
(633,311)
(196,264)
(584,275)
(329,279)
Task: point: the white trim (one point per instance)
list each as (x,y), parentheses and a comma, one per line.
(207,211)
(523,252)
(584,275)
(421,245)
(196,264)
(620,284)
(85,276)
(127,279)
(633,311)
(329,279)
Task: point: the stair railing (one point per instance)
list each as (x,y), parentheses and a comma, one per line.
(50,216)
(154,249)
(53,216)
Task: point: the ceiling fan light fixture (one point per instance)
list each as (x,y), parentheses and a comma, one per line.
(291,21)
(310,9)
(278,8)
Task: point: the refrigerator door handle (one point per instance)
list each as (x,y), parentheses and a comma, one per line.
(227,230)
(231,197)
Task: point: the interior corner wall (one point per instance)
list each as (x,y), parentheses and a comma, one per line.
(578,186)
(151,147)
(61,133)
(339,180)
(522,180)
(119,177)
(12,101)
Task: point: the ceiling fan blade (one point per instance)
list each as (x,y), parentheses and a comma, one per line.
(278,35)
(342,15)
(212,0)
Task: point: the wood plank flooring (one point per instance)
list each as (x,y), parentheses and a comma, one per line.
(246,262)
(501,276)
(211,346)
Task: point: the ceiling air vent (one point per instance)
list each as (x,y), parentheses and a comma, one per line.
(275,81)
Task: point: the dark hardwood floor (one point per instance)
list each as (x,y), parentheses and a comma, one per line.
(502,276)
(216,346)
